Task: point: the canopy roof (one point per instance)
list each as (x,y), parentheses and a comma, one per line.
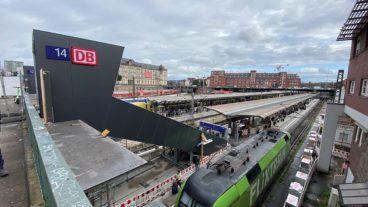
(354,193)
(262,108)
(356,21)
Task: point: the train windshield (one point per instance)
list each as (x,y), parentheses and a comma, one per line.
(187,201)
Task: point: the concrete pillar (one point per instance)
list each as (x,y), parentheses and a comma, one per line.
(191,158)
(334,198)
(234,130)
(176,155)
(333,111)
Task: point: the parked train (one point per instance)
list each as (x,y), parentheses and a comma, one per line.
(142,102)
(241,176)
(143,93)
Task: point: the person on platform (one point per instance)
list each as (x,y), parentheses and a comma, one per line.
(3,172)
(232,172)
(174,188)
(178,178)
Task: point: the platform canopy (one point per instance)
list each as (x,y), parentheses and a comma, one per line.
(261,108)
(355,22)
(354,193)
(188,97)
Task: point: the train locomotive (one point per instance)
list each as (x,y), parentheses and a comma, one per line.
(240,176)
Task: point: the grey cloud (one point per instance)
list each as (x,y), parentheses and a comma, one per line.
(188,37)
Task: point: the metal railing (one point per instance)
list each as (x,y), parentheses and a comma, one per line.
(58,184)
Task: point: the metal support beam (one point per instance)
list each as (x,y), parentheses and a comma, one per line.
(108,194)
(176,155)
(191,157)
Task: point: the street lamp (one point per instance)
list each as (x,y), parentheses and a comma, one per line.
(203,82)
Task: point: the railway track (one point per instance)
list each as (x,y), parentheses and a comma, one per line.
(299,134)
(304,127)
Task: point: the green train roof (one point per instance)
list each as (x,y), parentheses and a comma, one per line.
(206,185)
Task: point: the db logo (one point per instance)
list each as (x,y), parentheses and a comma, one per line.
(84,56)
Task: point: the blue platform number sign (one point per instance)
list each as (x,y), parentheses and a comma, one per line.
(57,53)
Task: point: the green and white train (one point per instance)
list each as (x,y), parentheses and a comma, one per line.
(239,177)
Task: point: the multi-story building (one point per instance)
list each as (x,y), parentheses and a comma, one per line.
(145,76)
(254,80)
(356,97)
(11,66)
(353,182)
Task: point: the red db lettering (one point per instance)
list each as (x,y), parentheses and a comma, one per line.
(83,56)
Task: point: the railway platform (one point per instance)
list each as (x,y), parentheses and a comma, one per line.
(14,188)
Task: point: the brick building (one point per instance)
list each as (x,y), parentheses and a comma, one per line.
(254,80)
(145,76)
(356,97)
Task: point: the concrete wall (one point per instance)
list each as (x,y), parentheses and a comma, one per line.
(10,83)
(58,183)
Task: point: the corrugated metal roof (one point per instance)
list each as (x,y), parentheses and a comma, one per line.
(356,21)
(262,108)
(354,193)
(187,97)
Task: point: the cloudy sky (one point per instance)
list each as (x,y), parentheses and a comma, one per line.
(192,37)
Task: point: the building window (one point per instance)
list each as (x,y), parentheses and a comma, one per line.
(364,90)
(344,137)
(352,86)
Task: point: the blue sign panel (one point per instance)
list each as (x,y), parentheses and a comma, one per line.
(214,127)
(57,53)
(30,72)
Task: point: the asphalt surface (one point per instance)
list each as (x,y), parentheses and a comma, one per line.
(13,188)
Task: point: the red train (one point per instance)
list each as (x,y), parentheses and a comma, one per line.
(143,93)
